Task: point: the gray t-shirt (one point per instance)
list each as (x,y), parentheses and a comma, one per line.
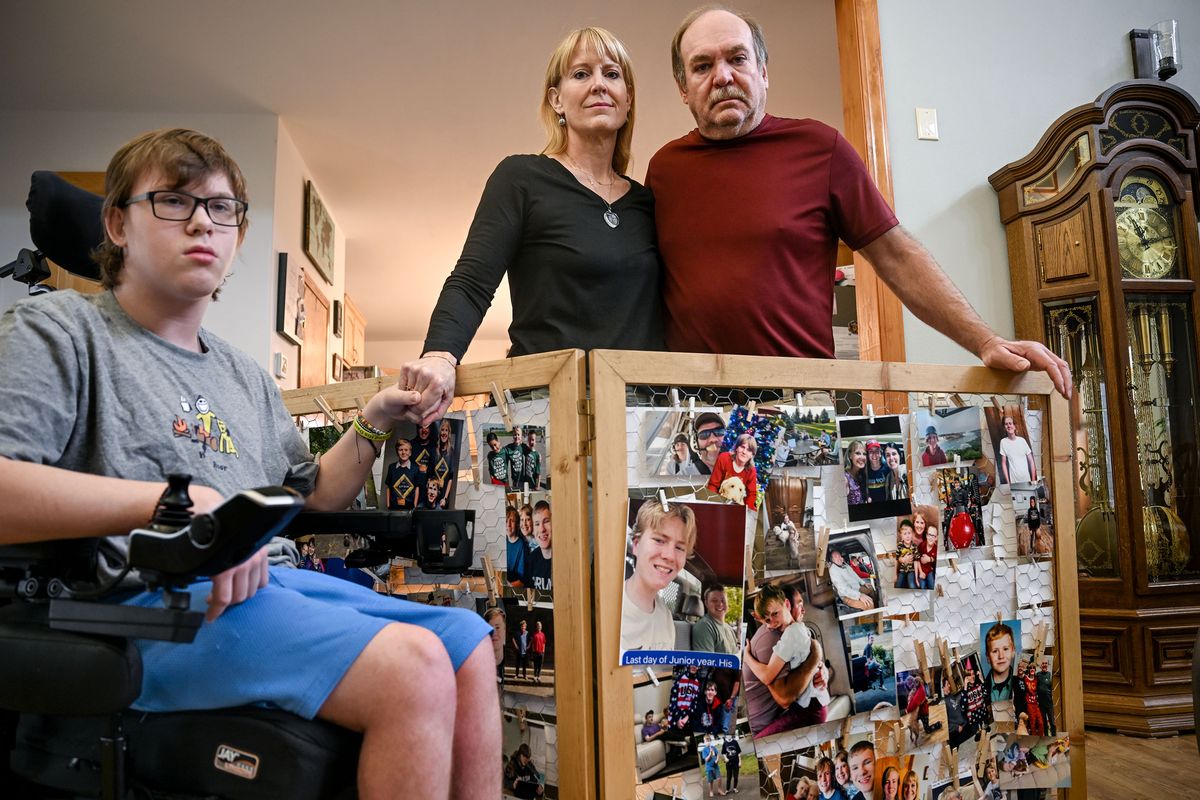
(85,388)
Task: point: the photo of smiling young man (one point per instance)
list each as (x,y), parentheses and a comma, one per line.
(683,561)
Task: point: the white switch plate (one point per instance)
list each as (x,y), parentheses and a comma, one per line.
(927,127)
(281,365)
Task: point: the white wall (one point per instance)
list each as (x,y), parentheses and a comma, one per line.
(998,74)
(85,142)
(291,173)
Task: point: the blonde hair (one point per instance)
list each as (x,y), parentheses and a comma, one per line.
(651,515)
(182,157)
(604,43)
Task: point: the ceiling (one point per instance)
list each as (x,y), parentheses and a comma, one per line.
(399,109)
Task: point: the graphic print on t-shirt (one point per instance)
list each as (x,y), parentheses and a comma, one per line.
(209,431)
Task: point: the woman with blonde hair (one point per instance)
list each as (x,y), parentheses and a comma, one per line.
(572,232)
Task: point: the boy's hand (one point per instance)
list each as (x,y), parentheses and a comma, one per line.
(237,584)
(391,405)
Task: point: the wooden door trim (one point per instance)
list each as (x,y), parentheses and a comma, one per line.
(864,109)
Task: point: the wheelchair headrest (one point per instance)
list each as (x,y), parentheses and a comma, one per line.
(65,223)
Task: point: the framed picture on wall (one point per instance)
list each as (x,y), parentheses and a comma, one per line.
(338,364)
(318,232)
(337,317)
(289,300)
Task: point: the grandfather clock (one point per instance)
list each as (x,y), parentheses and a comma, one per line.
(1101,221)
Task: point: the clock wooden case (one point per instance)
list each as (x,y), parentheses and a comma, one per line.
(1101,222)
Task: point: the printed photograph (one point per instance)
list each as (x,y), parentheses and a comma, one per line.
(815,772)
(794,667)
(917,550)
(962,496)
(920,700)
(528,533)
(1034,695)
(667,443)
(420,467)
(949,432)
(872,668)
(1032,762)
(809,435)
(790,537)
(675,716)
(875,471)
(514,458)
(1035,520)
(998,649)
(965,699)
(529,647)
(742,469)
(682,594)
(853,572)
(897,779)
(530,763)
(1016,463)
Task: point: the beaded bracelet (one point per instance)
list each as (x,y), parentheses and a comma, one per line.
(369,431)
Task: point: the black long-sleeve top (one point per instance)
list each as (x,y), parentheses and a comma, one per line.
(574,281)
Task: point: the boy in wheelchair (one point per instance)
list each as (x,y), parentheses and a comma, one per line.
(105,395)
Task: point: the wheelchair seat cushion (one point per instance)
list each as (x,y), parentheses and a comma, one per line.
(235,754)
(45,671)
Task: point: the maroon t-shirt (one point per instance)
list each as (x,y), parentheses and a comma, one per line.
(748,231)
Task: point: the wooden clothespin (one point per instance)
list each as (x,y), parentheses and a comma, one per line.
(475,450)
(525,493)
(922,661)
(953,568)
(879,622)
(901,731)
(1039,641)
(651,675)
(692,407)
(822,549)
(751,409)
(999,617)
(957,461)
(871,412)
(932,404)
(944,760)
(958,401)
(490,580)
(948,666)
(751,584)
(662,498)
(846,733)
(996,404)
(982,753)
(675,398)
(501,399)
(530,596)
(327,410)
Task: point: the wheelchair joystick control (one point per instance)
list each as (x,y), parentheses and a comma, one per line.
(174,506)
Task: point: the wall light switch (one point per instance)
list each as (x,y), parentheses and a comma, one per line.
(927,124)
(281,365)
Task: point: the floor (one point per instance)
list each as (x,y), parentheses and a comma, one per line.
(1127,768)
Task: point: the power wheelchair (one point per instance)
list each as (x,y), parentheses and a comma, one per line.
(69,669)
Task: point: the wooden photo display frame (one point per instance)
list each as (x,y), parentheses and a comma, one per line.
(319,232)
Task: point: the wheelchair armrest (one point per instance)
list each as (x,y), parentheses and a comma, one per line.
(214,542)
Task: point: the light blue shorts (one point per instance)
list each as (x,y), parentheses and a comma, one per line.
(288,646)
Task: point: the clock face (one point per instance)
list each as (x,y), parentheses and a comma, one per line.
(1146,241)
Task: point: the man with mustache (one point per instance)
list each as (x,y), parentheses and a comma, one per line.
(749,199)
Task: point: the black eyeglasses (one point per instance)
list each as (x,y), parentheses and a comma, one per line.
(180,206)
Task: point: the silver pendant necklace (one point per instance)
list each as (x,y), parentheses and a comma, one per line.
(610,216)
